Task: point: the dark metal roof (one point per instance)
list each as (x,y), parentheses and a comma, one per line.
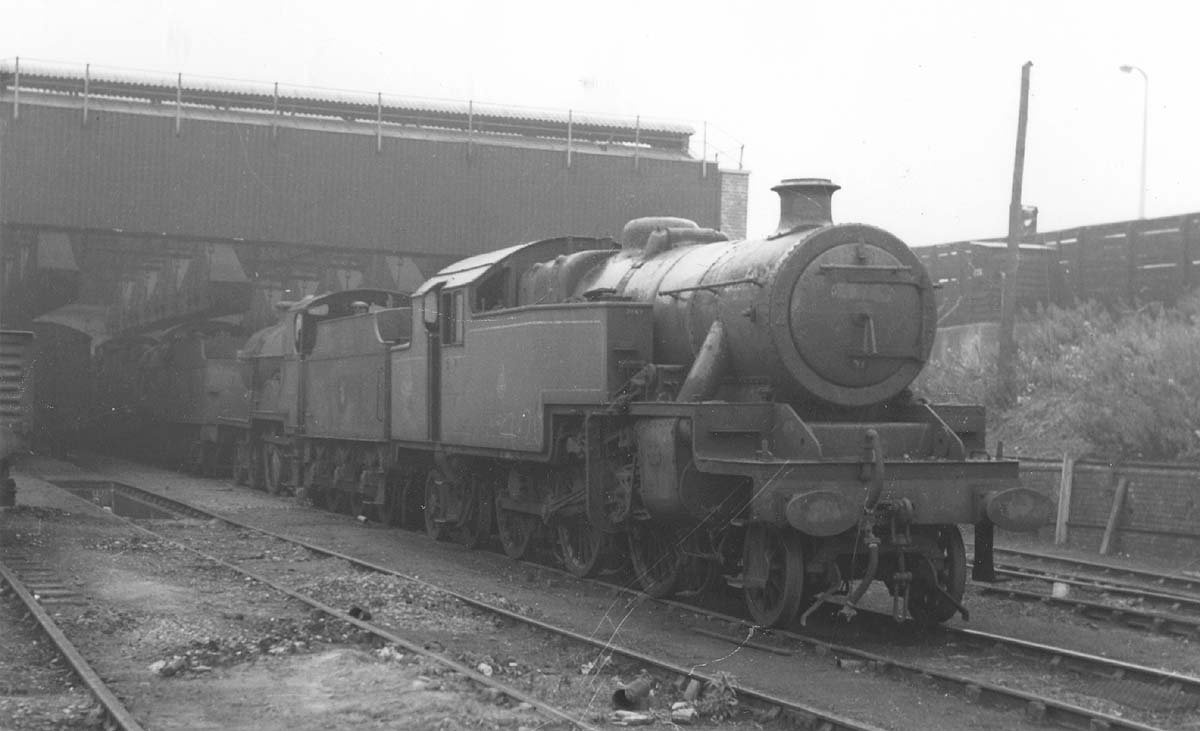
(343,298)
(471,269)
(375,107)
(474,268)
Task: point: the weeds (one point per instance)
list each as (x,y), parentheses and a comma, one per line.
(719,701)
(1126,384)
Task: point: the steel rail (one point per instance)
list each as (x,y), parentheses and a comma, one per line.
(373,629)
(1176,601)
(1155,577)
(814,717)
(1037,708)
(1187,684)
(117,715)
(1059,656)
(1126,616)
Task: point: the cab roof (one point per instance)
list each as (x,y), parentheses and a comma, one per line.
(381,297)
(474,268)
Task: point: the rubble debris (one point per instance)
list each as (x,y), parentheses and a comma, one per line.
(683,712)
(630,718)
(635,695)
(593,667)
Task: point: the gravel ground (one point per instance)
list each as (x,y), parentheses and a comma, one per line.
(187,645)
(561,671)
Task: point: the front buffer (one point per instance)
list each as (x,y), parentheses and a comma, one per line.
(827,509)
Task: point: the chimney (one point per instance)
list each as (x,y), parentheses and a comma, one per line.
(804,203)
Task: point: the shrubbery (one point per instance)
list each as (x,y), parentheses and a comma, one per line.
(1125,385)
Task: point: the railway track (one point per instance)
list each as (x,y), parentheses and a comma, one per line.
(1149,685)
(1125,615)
(1172,690)
(805,715)
(1129,597)
(1166,600)
(31,584)
(150,502)
(1177,583)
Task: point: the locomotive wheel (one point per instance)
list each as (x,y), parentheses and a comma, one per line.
(272,468)
(925,603)
(775,603)
(434,510)
(581,547)
(658,562)
(516,530)
(476,527)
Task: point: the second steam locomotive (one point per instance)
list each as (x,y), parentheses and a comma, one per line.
(714,410)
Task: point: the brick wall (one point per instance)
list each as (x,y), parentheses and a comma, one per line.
(735,187)
(1160,517)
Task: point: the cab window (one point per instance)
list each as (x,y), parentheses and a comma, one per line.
(452,317)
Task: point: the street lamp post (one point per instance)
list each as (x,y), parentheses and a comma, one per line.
(1145,129)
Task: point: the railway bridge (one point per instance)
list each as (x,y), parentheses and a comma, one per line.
(130,201)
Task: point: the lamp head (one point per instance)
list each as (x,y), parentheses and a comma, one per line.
(1127,69)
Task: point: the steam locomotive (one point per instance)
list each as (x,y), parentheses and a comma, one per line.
(711,410)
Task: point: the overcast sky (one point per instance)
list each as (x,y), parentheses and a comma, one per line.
(910,106)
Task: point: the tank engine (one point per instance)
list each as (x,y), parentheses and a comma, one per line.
(775,404)
(711,408)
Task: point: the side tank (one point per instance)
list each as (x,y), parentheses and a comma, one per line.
(840,314)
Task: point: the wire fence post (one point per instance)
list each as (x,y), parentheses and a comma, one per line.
(87,83)
(637,142)
(570,134)
(178,103)
(17,89)
(379,123)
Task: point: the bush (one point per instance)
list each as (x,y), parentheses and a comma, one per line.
(1126,385)
(1140,393)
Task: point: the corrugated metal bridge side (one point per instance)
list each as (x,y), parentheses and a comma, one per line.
(238,178)
(111,206)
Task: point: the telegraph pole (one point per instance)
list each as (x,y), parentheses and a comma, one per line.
(1006,361)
